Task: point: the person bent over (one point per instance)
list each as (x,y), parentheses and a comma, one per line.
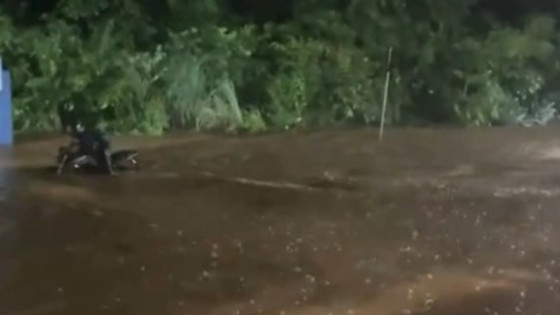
(95,143)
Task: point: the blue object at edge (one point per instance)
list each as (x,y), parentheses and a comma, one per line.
(6,116)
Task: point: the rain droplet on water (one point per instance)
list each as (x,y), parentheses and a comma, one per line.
(410,294)
(214,253)
(310,278)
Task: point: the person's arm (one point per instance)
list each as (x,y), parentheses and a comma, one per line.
(74,144)
(103,138)
(74,141)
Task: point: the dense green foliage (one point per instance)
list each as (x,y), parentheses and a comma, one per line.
(150,66)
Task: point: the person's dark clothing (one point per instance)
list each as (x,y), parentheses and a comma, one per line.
(95,143)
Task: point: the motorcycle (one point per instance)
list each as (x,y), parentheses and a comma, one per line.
(121,160)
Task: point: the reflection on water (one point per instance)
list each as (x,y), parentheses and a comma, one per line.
(289,224)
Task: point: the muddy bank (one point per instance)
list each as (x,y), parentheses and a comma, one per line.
(425,222)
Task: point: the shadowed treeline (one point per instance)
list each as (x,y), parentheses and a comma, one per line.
(153,66)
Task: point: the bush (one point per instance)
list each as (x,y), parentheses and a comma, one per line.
(202,67)
(318,83)
(131,68)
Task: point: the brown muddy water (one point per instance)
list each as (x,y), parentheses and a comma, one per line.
(435,222)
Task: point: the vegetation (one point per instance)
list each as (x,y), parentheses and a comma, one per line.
(149,66)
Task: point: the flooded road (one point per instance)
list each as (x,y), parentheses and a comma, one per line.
(429,222)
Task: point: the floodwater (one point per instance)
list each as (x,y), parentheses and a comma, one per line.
(434,222)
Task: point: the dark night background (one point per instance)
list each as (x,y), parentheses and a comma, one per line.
(280,10)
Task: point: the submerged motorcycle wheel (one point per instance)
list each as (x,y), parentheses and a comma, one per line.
(123,160)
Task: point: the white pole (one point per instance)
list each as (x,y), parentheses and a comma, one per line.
(385,92)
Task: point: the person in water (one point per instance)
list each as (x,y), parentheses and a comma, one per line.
(93,142)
